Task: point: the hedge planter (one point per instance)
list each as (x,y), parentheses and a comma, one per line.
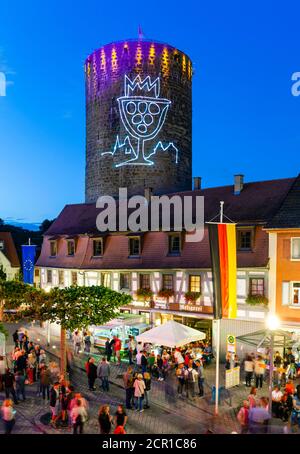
(257,300)
(191,297)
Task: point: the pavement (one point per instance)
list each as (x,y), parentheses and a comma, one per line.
(168,413)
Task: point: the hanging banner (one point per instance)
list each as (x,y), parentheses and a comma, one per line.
(28,258)
(222,239)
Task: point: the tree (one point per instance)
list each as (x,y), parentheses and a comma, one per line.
(78,307)
(20,301)
(2,274)
(45,225)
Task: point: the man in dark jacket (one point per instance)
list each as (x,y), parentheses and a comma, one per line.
(21,363)
(9,381)
(108,349)
(20,385)
(128,385)
(15,337)
(92,374)
(144,362)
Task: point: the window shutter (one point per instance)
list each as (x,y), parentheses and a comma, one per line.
(285,293)
(286,249)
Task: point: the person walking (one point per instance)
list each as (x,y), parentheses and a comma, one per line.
(104,419)
(191,377)
(120,418)
(252,397)
(128,381)
(15,337)
(144,362)
(87,342)
(200,372)
(77,342)
(108,349)
(8,416)
(139,392)
(103,372)
(20,385)
(45,381)
(259,370)
(131,349)
(259,418)
(147,380)
(54,403)
(180,374)
(243,417)
(117,348)
(92,374)
(248,368)
(9,385)
(79,417)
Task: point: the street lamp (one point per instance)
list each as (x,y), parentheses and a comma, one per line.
(272,323)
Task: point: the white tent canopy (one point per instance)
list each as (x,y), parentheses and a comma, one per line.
(171,334)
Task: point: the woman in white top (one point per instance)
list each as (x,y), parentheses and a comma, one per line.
(139,392)
(8,416)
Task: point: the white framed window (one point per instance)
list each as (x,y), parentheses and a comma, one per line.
(295,248)
(295,294)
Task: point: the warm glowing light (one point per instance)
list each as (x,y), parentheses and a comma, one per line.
(38,340)
(152,54)
(54,347)
(138,58)
(190,69)
(102,60)
(114,59)
(272,322)
(165,62)
(184,64)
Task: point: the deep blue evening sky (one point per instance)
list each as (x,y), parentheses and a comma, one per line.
(245,118)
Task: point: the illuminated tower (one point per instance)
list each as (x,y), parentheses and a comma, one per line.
(138,119)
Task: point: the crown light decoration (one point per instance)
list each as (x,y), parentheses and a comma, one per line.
(143,114)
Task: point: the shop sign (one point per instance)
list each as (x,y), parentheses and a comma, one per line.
(231,343)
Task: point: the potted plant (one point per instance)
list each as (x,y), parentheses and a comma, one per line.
(191,297)
(145,293)
(256,300)
(166,293)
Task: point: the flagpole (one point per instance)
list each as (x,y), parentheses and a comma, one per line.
(218,325)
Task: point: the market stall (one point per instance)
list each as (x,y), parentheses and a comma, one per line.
(171,334)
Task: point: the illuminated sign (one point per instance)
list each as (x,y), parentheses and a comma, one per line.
(143,118)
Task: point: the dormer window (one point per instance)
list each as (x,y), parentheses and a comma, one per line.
(134,246)
(98,247)
(174,244)
(71,247)
(245,238)
(53,248)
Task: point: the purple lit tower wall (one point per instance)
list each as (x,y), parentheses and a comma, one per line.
(138,119)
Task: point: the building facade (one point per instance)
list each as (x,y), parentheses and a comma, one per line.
(284,239)
(9,260)
(146,264)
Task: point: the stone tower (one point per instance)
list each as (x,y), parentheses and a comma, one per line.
(138,119)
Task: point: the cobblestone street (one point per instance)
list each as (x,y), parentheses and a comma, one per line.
(168,414)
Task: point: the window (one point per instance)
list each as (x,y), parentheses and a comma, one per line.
(125,280)
(134,246)
(61,277)
(37,272)
(74,277)
(49,276)
(195,284)
(295,246)
(295,294)
(167,282)
(105,279)
(245,239)
(1,245)
(144,280)
(174,244)
(97,248)
(71,247)
(257,286)
(53,248)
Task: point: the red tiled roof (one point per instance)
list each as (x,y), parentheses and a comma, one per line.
(256,204)
(9,249)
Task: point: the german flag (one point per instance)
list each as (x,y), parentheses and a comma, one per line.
(222,239)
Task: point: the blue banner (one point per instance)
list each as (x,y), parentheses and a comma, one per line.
(28,258)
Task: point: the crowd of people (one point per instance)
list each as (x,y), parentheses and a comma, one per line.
(255,413)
